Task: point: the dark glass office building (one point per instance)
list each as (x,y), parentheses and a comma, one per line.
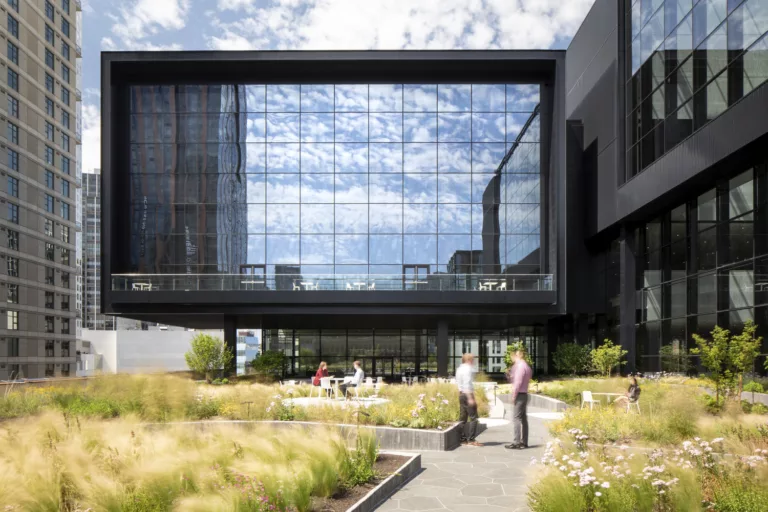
(405,207)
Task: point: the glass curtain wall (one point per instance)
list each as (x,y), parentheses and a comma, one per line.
(390,353)
(701,264)
(689,60)
(363,179)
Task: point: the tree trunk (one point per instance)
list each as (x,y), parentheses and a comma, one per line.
(741,386)
(208,377)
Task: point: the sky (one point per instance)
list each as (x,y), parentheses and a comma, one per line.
(117,25)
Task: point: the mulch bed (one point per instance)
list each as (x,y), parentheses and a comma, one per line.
(385,465)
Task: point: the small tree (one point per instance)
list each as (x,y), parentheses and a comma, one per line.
(571,358)
(269,363)
(743,349)
(714,357)
(674,359)
(606,357)
(511,349)
(208,354)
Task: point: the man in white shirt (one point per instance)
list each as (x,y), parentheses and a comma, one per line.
(356,380)
(465,376)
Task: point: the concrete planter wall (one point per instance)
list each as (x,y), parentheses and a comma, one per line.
(388,487)
(390,438)
(759,398)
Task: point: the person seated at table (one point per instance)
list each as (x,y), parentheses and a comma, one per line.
(632,394)
(322,371)
(356,381)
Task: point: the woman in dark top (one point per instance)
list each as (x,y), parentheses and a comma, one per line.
(632,394)
(322,371)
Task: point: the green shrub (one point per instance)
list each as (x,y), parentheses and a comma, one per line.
(759,408)
(606,357)
(269,364)
(571,358)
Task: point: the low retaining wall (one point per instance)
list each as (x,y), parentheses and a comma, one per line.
(387,488)
(390,438)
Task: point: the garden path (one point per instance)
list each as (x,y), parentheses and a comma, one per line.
(469,479)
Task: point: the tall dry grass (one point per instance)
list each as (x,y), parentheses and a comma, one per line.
(57,463)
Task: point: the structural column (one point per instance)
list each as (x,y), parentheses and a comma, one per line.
(442,348)
(627,293)
(230,340)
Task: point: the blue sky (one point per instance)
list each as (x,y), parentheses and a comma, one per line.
(312,25)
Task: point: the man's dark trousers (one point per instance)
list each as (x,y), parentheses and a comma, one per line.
(520,419)
(467,411)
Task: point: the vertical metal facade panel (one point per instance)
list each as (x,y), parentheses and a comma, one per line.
(743,123)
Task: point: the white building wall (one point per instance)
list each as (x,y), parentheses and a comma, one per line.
(142,351)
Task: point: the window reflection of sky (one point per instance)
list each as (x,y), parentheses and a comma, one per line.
(348,176)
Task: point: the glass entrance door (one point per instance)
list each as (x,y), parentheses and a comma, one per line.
(415,277)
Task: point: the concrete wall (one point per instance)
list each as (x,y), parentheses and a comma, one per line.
(142,351)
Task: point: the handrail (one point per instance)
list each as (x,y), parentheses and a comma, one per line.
(332,282)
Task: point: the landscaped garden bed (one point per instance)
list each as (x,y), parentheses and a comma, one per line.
(60,462)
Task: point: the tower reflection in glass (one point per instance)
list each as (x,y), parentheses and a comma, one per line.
(335,179)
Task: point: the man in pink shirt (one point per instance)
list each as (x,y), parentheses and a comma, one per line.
(520,375)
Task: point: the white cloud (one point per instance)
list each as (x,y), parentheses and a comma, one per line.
(91,118)
(396,24)
(141,19)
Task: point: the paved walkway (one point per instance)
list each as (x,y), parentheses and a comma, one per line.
(469,479)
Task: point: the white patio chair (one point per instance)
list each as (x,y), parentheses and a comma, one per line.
(326,385)
(296,287)
(502,286)
(405,380)
(636,404)
(372,286)
(349,286)
(379,383)
(586,398)
(290,383)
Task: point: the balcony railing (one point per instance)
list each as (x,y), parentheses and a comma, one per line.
(339,282)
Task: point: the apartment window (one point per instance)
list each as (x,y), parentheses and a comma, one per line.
(49,10)
(65,188)
(13,133)
(49,61)
(13,320)
(13,79)
(13,294)
(49,324)
(13,347)
(65,370)
(64,256)
(13,267)
(49,351)
(49,35)
(13,186)
(65,330)
(64,210)
(49,84)
(49,107)
(13,106)
(65,118)
(13,160)
(65,27)
(13,213)
(65,234)
(49,205)
(49,300)
(65,6)
(13,240)
(65,302)
(49,372)
(49,179)
(49,132)
(65,73)
(48,155)
(65,142)
(65,50)
(50,251)
(49,276)
(65,164)
(48,227)
(65,279)
(13,26)
(14,5)
(65,95)
(13,53)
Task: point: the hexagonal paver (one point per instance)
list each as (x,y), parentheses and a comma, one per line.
(473,479)
(483,490)
(434,474)
(420,503)
(463,500)
(451,482)
(456,468)
(435,492)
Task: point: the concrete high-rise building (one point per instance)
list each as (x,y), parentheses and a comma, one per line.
(40,176)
